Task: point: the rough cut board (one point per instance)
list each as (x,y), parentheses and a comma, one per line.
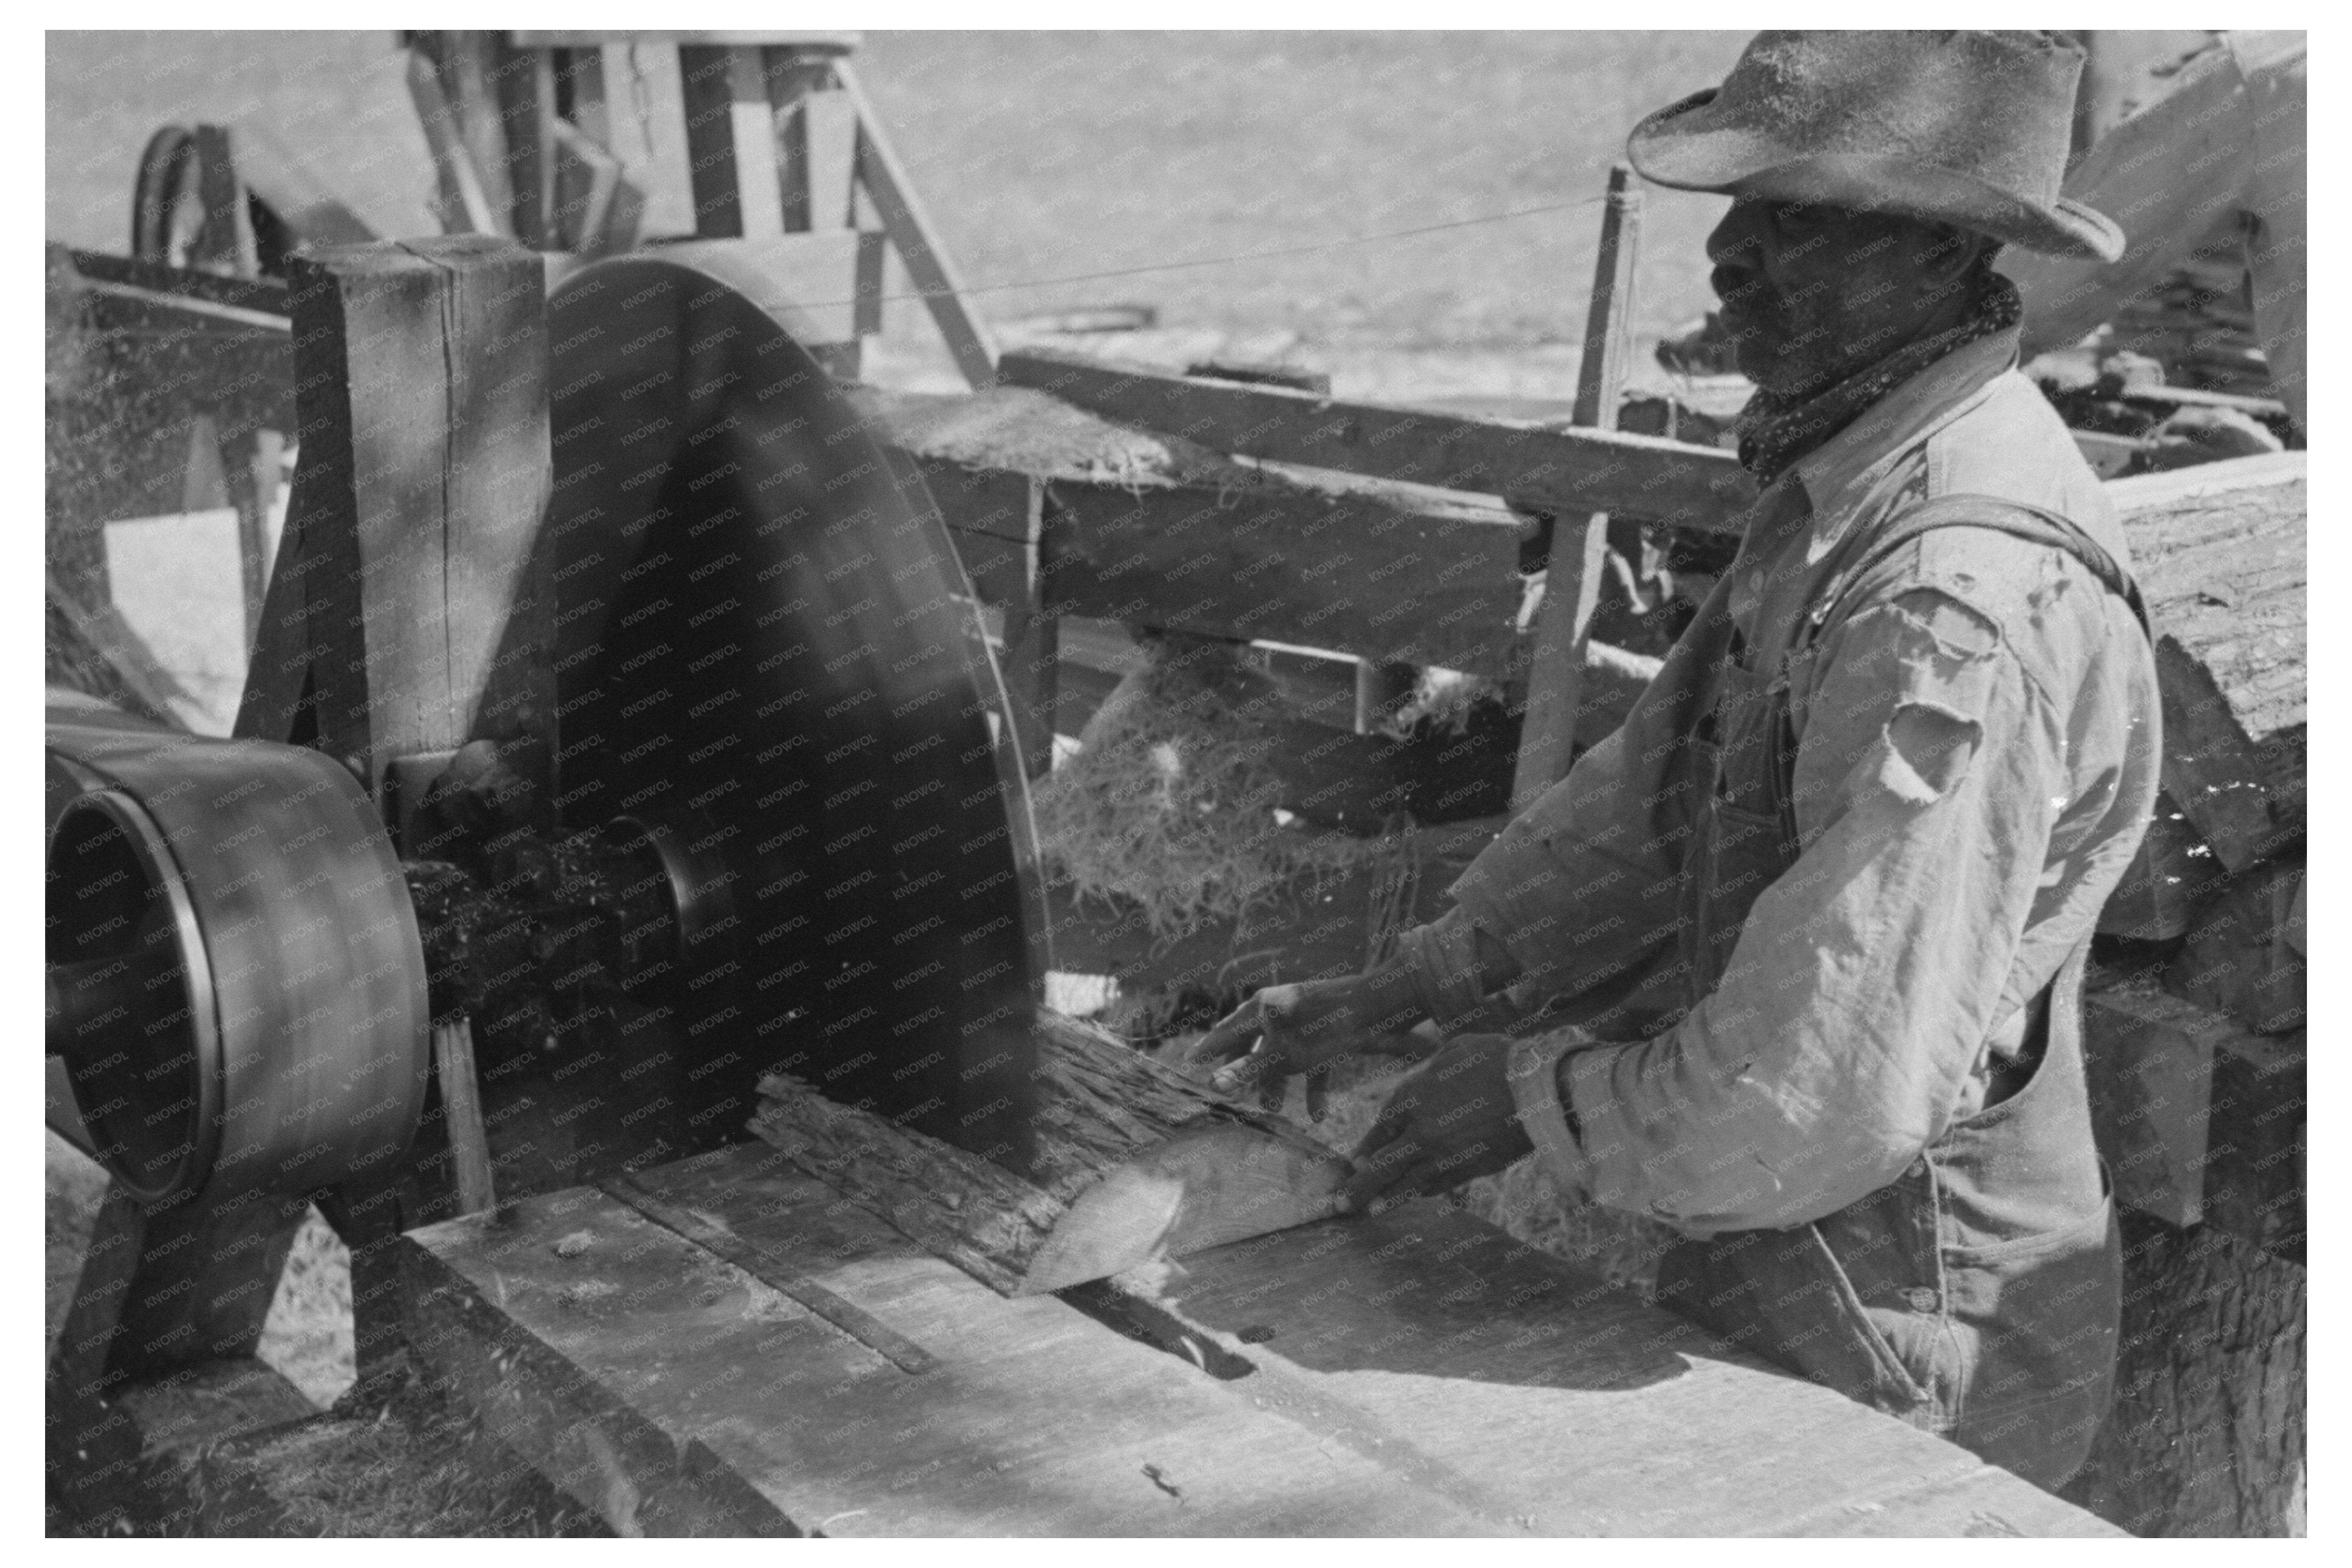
(2220,552)
(1419,1374)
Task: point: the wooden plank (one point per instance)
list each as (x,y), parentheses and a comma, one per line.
(2220,552)
(1157,531)
(2148,1057)
(1592,1413)
(1577,552)
(1416,1373)
(449,83)
(525,85)
(731,143)
(1560,470)
(769,1269)
(929,266)
(599,1345)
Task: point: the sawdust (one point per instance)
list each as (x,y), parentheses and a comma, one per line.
(1168,805)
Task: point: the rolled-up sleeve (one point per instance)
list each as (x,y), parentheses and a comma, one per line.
(1868,977)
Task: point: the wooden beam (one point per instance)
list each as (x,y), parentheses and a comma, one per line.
(423,369)
(1558,470)
(466,201)
(2220,550)
(911,231)
(1575,575)
(731,143)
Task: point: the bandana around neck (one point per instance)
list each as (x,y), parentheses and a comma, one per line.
(1774,432)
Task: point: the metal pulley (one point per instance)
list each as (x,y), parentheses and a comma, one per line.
(234,979)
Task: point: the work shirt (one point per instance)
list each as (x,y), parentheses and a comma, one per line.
(1976,755)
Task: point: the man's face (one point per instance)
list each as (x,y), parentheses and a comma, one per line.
(1812,292)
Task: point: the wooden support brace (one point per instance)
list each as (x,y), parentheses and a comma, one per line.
(911,231)
(1574,580)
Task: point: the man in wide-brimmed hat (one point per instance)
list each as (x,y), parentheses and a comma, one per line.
(1795,959)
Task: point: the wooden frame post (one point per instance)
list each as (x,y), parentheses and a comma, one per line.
(408,598)
(1575,576)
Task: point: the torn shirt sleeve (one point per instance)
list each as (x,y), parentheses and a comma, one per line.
(1867,977)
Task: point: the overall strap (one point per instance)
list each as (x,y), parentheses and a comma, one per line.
(2016,519)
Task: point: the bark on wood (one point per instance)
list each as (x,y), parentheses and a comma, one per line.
(1099,1103)
(2220,553)
(2206,1437)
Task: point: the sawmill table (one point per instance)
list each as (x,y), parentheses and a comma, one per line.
(1415,1374)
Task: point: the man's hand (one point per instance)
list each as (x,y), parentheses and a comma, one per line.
(1284,1030)
(1453,1120)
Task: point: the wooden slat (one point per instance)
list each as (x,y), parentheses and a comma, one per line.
(731,143)
(1565,470)
(910,229)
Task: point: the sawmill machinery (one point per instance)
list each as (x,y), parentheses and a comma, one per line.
(782,822)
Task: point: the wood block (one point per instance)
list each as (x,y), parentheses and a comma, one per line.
(2255,1185)
(426,469)
(2241,957)
(2149,1058)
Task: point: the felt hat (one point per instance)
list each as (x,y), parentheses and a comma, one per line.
(1965,128)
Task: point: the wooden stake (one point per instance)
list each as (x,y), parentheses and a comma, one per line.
(1572,581)
(461,1112)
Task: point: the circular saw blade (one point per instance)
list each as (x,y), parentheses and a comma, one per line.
(765,644)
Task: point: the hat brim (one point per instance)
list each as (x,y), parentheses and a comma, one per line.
(1685,147)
